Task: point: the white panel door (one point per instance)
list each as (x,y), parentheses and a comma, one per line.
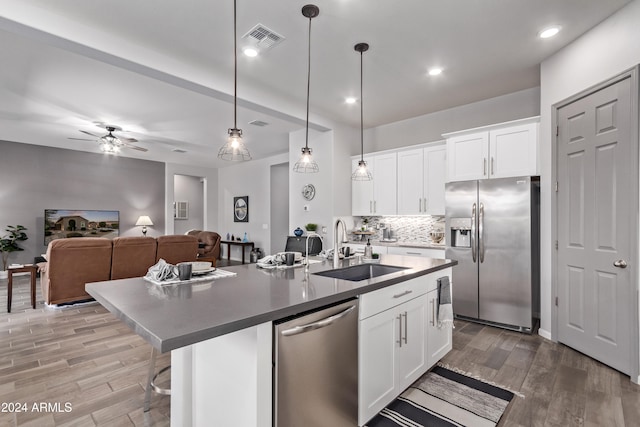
(410,182)
(594,220)
(434,179)
(439,339)
(385,185)
(513,151)
(467,156)
(412,345)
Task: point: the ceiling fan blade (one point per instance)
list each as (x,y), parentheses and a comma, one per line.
(82,139)
(135,147)
(126,140)
(89,133)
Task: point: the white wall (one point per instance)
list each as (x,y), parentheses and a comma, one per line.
(430,127)
(247,179)
(605,51)
(279,208)
(210,183)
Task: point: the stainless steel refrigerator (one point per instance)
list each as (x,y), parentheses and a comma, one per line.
(492,229)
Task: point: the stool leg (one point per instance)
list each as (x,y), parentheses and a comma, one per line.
(152,368)
(9,291)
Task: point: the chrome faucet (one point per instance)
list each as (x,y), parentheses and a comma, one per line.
(306,253)
(336,243)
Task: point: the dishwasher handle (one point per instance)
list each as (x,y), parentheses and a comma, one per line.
(319,324)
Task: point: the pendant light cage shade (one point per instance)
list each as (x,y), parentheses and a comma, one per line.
(362,173)
(306,164)
(234,150)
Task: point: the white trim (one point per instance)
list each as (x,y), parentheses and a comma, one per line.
(534,119)
(544,334)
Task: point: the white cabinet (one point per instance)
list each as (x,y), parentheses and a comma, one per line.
(393,354)
(376,197)
(496,151)
(408,251)
(421,178)
(439,338)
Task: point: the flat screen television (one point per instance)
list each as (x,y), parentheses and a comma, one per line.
(62,223)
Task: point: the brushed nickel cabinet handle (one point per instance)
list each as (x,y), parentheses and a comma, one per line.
(407,292)
(400,335)
(405,328)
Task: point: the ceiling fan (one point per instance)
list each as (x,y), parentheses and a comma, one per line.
(110,143)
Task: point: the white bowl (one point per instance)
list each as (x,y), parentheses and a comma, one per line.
(200,265)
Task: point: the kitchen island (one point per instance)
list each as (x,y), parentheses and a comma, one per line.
(220,332)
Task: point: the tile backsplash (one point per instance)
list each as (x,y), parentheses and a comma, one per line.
(407,228)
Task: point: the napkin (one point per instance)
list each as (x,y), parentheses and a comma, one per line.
(162,271)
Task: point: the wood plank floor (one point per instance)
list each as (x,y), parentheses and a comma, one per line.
(561,386)
(83,356)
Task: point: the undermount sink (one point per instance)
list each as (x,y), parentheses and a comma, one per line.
(359,272)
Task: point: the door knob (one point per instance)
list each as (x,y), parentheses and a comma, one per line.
(620,263)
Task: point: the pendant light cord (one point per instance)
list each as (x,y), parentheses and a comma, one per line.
(361,114)
(306,141)
(235,69)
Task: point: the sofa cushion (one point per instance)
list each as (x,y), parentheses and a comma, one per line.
(71,264)
(132,256)
(177,248)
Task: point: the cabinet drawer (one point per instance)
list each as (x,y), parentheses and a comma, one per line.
(426,252)
(383,299)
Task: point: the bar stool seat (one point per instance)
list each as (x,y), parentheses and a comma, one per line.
(151,380)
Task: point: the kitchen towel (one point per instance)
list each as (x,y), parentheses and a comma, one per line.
(445,309)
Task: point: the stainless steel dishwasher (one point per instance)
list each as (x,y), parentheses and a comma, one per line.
(316,368)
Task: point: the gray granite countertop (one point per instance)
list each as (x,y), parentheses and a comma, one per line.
(174,316)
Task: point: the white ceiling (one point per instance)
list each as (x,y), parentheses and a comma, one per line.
(163,70)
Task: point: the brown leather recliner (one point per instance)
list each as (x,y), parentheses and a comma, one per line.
(132,256)
(71,264)
(208,245)
(177,248)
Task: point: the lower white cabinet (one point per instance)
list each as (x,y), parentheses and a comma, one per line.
(399,340)
(439,338)
(393,346)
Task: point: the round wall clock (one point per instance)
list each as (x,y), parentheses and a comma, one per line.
(308,191)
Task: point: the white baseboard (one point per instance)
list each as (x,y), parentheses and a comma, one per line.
(544,333)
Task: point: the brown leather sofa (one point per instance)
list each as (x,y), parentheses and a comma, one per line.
(73,262)
(208,245)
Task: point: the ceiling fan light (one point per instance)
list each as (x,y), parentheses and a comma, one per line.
(306,164)
(361,173)
(234,150)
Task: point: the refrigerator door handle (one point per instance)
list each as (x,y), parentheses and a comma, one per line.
(481,232)
(473,232)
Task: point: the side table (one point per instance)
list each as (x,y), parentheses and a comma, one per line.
(242,245)
(27,268)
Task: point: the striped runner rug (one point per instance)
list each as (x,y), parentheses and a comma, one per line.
(445,398)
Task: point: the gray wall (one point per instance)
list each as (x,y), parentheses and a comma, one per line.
(189,189)
(34,178)
(279,208)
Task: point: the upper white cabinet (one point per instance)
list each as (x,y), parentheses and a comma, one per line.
(509,149)
(421,178)
(376,197)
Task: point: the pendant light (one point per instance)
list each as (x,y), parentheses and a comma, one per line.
(306,164)
(234,149)
(361,173)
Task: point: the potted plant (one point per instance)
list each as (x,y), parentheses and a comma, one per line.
(311,227)
(9,243)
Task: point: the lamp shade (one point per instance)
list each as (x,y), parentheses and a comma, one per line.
(144,220)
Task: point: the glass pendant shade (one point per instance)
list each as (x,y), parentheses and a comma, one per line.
(306,164)
(109,144)
(361,173)
(234,150)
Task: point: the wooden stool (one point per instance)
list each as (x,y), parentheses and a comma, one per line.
(27,268)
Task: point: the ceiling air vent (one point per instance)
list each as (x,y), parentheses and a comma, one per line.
(259,123)
(262,37)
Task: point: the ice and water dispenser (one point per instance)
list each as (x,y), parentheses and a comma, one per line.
(460,229)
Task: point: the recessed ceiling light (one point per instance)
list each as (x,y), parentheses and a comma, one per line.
(350,100)
(250,52)
(549,32)
(435,71)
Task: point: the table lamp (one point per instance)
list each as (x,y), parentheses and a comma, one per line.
(144,220)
